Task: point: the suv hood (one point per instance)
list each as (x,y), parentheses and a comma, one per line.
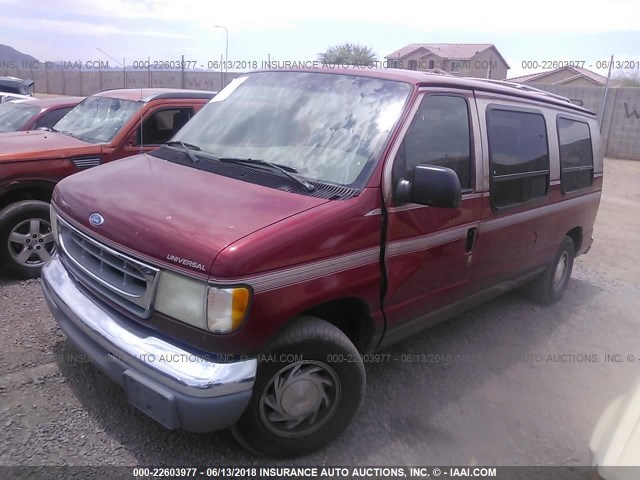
(37,144)
(170,214)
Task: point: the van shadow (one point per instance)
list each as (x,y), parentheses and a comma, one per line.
(395,423)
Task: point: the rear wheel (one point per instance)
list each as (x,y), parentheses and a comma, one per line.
(26,239)
(551,284)
(310,384)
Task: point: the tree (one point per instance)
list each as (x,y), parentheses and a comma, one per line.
(348,54)
(627,78)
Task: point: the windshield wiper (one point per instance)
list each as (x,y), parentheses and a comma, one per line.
(63,132)
(283,169)
(48,129)
(187,148)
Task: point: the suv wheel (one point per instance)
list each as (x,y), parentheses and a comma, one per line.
(551,284)
(309,386)
(26,239)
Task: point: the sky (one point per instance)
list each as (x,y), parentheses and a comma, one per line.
(294,30)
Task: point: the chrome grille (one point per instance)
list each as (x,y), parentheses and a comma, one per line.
(118,277)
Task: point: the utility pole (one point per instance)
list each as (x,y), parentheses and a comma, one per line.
(606,91)
(223,76)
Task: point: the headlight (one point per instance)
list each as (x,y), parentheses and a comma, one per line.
(53,217)
(220,310)
(181,298)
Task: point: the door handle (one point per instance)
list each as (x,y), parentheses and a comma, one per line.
(472,235)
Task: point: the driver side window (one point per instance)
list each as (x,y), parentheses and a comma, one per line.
(161,126)
(439,135)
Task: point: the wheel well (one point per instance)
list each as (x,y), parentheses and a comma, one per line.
(576,235)
(350,315)
(32,192)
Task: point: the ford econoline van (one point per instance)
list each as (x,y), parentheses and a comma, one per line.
(242,274)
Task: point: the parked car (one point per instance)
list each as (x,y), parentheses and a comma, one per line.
(16,85)
(13,97)
(106,126)
(615,442)
(242,275)
(34,113)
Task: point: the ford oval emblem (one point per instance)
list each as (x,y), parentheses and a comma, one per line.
(96,219)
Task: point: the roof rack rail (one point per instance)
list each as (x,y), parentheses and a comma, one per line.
(526,88)
(436,71)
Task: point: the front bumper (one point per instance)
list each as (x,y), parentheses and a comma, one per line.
(174,386)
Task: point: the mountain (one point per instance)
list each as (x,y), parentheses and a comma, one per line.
(11,55)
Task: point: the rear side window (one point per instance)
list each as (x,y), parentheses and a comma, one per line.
(518,156)
(576,154)
(439,135)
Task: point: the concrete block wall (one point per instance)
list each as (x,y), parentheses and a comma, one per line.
(87,82)
(620,124)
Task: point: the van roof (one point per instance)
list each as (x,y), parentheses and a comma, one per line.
(149,94)
(424,79)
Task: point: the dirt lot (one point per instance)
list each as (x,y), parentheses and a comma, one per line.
(496,405)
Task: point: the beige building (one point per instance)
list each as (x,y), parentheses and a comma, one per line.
(482,60)
(570,76)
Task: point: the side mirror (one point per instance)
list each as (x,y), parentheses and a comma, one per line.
(431,185)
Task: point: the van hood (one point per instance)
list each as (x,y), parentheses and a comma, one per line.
(170,214)
(37,144)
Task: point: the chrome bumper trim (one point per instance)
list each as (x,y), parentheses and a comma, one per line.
(132,344)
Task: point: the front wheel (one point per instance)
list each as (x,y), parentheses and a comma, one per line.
(551,284)
(310,384)
(26,239)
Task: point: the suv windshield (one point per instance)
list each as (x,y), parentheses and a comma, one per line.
(97,119)
(13,116)
(329,128)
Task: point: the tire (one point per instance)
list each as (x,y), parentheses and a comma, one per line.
(26,240)
(321,357)
(551,284)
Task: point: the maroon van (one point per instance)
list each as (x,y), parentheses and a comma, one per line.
(242,275)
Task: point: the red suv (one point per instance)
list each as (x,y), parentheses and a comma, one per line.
(37,113)
(242,275)
(105,126)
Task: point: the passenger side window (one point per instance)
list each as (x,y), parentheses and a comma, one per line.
(576,154)
(439,135)
(518,156)
(161,126)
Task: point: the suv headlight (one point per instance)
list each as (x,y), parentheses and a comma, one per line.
(219,310)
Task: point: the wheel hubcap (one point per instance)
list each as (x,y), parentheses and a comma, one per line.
(561,267)
(31,242)
(300,398)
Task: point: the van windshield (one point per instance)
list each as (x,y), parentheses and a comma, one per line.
(329,128)
(97,119)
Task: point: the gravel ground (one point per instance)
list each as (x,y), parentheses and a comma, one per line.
(495,403)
